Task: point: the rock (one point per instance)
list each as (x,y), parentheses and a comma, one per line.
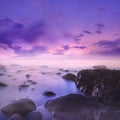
(22,107)
(100,83)
(66,70)
(102,67)
(29,81)
(34,116)
(69,76)
(110,115)
(23,86)
(16,117)
(3,85)
(74,107)
(28,76)
(58,73)
(34,83)
(49,93)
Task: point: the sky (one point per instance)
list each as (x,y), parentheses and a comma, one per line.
(60,29)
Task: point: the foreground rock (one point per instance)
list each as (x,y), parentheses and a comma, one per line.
(2,84)
(22,107)
(110,115)
(100,83)
(75,107)
(49,93)
(69,76)
(34,116)
(16,117)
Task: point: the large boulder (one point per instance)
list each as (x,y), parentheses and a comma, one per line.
(100,83)
(69,76)
(75,107)
(22,107)
(110,115)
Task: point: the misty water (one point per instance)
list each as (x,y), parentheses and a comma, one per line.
(47,79)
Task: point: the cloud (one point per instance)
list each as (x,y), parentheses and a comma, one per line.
(87,32)
(109,47)
(58,52)
(12,33)
(109,44)
(99,28)
(36,50)
(35,31)
(68,35)
(80,47)
(66,47)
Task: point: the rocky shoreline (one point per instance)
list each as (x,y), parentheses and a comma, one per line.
(101,99)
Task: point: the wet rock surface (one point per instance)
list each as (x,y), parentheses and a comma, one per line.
(22,107)
(100,83)
(34,116)
(69,76)
(75,107)
(16,117)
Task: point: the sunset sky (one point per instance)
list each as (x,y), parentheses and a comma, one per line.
(60,29)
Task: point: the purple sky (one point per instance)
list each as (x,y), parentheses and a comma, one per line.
(64,29)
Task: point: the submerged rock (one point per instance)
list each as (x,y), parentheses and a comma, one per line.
(34,116)
(23,86)
(58,73)
(28,76)
(49,93)
(69,76)
(74,107)
(100,83)
(16,117)
(2,84)
(22,107)
(66,70)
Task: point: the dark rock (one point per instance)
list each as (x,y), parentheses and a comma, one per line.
(102,67)
(74,107)
(110,115)
(66,70)
(34,116)
(58,73)
(22,107)
(16,117)
(49,93)
(101,83)
(34,83)
(69,76)
(23,86)
(29,81)
(28,76)
(2,84)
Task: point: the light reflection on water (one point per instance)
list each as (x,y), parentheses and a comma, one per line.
(46,79)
